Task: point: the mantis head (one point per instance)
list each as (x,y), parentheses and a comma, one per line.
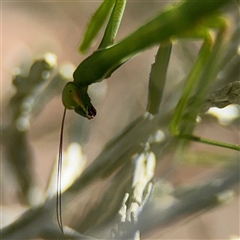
(76,97)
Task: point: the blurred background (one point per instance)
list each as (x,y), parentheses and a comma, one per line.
(32,29)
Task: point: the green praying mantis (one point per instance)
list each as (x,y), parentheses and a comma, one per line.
(190,19)
(185,20)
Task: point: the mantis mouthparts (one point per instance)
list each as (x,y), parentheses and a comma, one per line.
(91,112)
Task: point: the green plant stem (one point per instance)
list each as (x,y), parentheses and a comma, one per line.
(210,142)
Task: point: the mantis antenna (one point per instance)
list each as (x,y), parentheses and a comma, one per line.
(59,176)
(75,96)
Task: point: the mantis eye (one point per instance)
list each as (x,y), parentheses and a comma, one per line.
(76,97)
(71,96)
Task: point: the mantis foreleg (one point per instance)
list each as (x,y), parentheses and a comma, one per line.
(113,24)
(198,84)
(158,77)
(96,24)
